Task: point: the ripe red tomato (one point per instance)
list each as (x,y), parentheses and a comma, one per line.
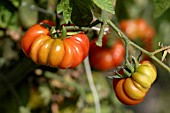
(129,27)
(63,53)
(137,28)
(104,58)
(132,90)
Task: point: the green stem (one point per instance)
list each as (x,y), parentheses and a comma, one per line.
(129,42)
(151,55)
(77,28)
(161,49)
(72,33)
(99,41)
(63,33)
(126,40)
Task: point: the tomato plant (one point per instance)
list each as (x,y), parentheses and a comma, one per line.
(132,90)
(139,31)
(42,48)
(106,58)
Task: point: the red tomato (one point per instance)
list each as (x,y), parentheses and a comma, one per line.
(121,94)
(104,58)
(129,27)
(136,28)
(55,52)
(132,90)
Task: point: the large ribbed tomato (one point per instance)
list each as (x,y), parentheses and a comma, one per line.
(132,90)
(55,52)
(105,58)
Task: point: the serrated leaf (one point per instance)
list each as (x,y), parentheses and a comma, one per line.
(160,6)
(106,5)
(64,6)
(67,13)
(60,6)
(81,14)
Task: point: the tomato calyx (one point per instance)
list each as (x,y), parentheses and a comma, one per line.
(63,33)
(127,70)
(60,32)
(132,90)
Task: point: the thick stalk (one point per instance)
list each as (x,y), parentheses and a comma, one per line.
(129,42)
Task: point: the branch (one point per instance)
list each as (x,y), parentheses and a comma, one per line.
(92,86)
(129,42)
(161,49)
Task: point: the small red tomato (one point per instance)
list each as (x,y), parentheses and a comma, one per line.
(105,58)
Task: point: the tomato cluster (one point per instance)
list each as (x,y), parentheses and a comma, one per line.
(137,28)
(106,58)
(132,90)
(42,48)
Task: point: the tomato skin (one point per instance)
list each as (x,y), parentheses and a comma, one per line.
(145,74)
(104,58)
(132,90)
(120,93)
(65,53)
(32,33)
(62,53)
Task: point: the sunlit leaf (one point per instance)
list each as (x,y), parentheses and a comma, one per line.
(64,6)
(106,5)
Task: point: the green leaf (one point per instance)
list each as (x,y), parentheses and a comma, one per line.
(60,6)
(106,5)
(81,14)
(160,6)
(64,6)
